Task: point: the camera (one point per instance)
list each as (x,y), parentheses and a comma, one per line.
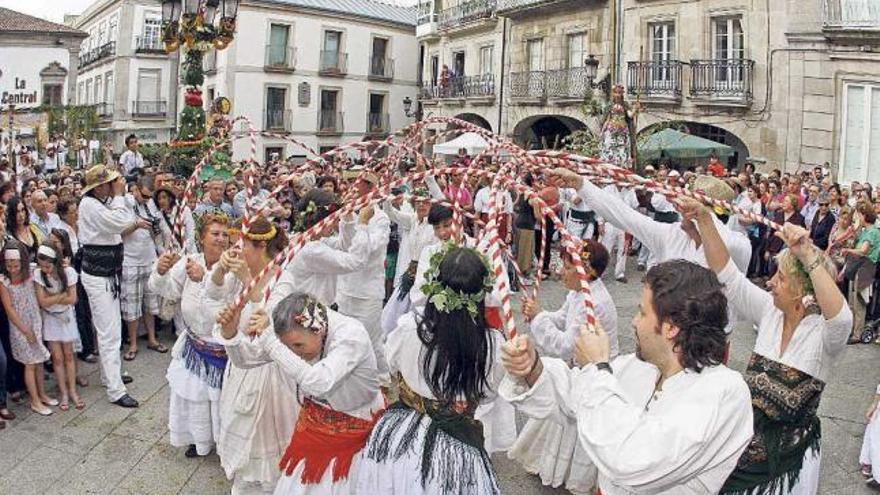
(155,226)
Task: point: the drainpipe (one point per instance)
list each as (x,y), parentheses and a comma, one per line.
(618,41)
(500,85)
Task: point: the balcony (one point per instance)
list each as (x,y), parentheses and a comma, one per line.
(426,25)
(381,69)
(851,21)
(277,120)
(528,87)
(148,109)
(568,85)
(104,111)
(478,90)
(94,55)
(657,82)
(279,58)
(722,82)
(333,64)
(330,123)
(378,124)
(149,44)
(513,8)
(467,13)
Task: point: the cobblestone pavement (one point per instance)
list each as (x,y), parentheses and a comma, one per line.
(107,449)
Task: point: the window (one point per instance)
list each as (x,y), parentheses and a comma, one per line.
(80,93)
(109,89)
(379,59)
(662,51)
(273,150)
(99,89)
(102,33)
(535,54)
(486,53)
(458,63)
(330,56)
(279,35)
(276,103)
(148,89)
(577,50)
(211,96)
(860,140)
(377,114)
(435,69)
(728,47)
(328,116)
(88,96)
(152,33)
(111,29)
(52,94)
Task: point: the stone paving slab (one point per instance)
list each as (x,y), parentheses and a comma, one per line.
(105,449)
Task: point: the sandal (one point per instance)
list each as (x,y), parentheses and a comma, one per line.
(64,405)
(15,396)
(79,403)
(42,412)
(6,414)
(130,355)
(82,381)
(158,347)
(50,402)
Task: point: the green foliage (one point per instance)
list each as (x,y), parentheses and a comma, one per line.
(71,121)
(193,72)
(192,123)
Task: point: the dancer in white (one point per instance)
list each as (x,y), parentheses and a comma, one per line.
(198,362)
(614,236)
(803,324)
(670,419)
(869,457)
(330,360)
(445,360)
(545,447)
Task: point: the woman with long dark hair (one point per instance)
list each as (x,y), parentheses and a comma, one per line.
(18,227)
(445,361)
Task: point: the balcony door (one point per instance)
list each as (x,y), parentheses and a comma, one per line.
(729,52)
(860,136)
(332,46)
(377,113)
(662,53)
(329,110)
(152,33)
(535,55)
(279,37)
(276,103)
(379,58)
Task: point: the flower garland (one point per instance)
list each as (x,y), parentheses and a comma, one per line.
(447,300)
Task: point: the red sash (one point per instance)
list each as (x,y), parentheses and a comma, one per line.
(321,435)
(493,317)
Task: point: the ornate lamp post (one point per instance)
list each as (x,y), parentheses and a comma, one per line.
(591,70)
(190,24)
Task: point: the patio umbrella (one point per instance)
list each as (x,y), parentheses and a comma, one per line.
(670,143)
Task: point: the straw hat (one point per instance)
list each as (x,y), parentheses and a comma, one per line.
(714,188)
(98,175)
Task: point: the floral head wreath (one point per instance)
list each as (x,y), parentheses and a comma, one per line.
(448,300)
(313,316)
(312,208)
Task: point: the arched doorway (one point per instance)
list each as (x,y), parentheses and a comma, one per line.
(545,131)
(710,132)
(474,119)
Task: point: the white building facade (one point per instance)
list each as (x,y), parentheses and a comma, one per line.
(325,73)
(125,72)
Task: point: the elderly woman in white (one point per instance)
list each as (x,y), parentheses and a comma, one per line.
(545,446)
(803,324)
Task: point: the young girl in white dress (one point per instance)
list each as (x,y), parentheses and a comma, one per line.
(56,294)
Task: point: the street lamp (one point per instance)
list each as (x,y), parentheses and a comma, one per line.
(591,70)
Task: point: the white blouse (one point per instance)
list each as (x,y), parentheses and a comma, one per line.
(817,342)
(197,312)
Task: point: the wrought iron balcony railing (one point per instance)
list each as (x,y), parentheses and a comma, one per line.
(280,57)
(104,51)
(729,79)
(657,79)
(277,119)
(507,6)
(148,44)
(378,123)
(149,108)
(529,84)
(480,86)
(330,122)
(381,67)
(333,63)
(851,14)
(571,83)
(467,12)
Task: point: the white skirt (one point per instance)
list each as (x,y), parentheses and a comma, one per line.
(194,409)
(456,468)
(60,327)
(870,454)
(291,485)
(552,451)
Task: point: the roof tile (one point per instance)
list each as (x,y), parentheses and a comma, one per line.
(12,21)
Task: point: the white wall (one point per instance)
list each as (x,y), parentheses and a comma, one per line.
(25,63)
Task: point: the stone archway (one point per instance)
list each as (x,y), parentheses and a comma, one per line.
(475,119)
(545,131)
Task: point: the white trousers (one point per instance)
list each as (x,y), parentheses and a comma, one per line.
(240,487)
(108,325)
(368,312)
(615,238)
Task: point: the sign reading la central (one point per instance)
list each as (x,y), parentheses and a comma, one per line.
(20,95)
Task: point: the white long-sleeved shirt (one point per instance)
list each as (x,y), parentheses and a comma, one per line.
(198,313)
(316,266)
(683,439)
(102,224)
(415,236)
(368,283)
(555,332)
